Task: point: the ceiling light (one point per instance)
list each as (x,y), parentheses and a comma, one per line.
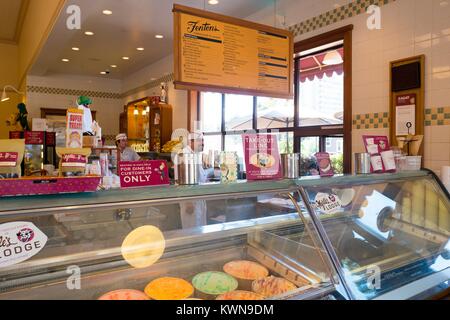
(213,2)
(65,60)
(5,96)
(332,58)
(107,12)
(75,49)
(103,72)
(113,66)
(126,58)
(140,49)
(159,36)
(89,33)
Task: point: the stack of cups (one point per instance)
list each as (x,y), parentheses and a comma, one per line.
(445,177)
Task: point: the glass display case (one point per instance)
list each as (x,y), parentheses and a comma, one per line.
(374,237)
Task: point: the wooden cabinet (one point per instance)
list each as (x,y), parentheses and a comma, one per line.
(160,125)
(147,122)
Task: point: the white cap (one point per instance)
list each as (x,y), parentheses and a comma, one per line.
(121,136)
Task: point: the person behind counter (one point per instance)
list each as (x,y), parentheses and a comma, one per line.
(126,153)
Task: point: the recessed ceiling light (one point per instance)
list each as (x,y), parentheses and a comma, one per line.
(213,2)
(65,60)
(89,33)
(75,49)
(107,12)
(140,49)
(103,72)
(159,36)
(126,58)
(113,66)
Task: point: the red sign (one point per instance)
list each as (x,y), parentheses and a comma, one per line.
(143,173)
(16,134)
(50,139)
(8,159)
(262,158)
(406,99)
(34,137)
(74,160)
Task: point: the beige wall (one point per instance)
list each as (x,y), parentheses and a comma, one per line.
(9,75)
(38,23)
(108,109)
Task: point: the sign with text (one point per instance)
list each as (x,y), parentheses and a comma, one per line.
(324,163)
(262,158)
(406,114)
(143,173)
(74,134)
(8,159)
(34,137)
(225,54)
(19,241)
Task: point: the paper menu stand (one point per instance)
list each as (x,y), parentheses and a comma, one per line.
(381,156)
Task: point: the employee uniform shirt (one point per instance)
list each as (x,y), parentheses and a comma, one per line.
(87,119)
(129,154)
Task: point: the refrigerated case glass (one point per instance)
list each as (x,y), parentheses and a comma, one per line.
(390,234)
(204,228)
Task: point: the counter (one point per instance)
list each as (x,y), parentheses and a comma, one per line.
(348,237)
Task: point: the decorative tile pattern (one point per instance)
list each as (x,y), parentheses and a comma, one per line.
(437,117)
(344,12)
(150,85)
(72,92)
(110,139)
(371,121)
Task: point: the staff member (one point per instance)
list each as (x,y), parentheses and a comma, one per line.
(126,153)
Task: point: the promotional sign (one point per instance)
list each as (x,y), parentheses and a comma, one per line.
(73,160)
(405,113)
(226,54)
(381,156)
(74,131)
(143,173)
(8,159)
(324,164)
(262,157)
(34,137)
(228,167)
(327,203)
(19,241)
(50,139)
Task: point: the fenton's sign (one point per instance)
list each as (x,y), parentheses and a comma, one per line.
(197,26)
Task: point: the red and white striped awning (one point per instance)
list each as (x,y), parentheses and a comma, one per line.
(313,67)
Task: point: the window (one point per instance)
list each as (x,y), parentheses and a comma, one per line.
(316,120)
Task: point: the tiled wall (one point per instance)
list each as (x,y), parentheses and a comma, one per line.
(408,28)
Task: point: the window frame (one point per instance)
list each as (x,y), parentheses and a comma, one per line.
(323,132)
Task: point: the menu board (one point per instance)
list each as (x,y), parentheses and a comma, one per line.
(224,54)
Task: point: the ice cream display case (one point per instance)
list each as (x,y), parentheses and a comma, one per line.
(355,237)
(211,241)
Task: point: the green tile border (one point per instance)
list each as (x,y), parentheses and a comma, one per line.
(333,16)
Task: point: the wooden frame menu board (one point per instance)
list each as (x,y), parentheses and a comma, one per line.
(224,54)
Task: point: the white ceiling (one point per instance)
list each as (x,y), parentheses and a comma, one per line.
(10,16)
(134,23)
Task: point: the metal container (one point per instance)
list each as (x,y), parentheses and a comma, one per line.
(188,168)
(291,165)
(362,163)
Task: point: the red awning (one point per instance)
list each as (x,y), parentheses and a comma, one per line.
(312,66)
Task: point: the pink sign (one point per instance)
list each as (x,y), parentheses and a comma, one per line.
(381,156)
(143,173)
(324,163)
(262,158)
(8,159)
(74,160)
(34,137)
